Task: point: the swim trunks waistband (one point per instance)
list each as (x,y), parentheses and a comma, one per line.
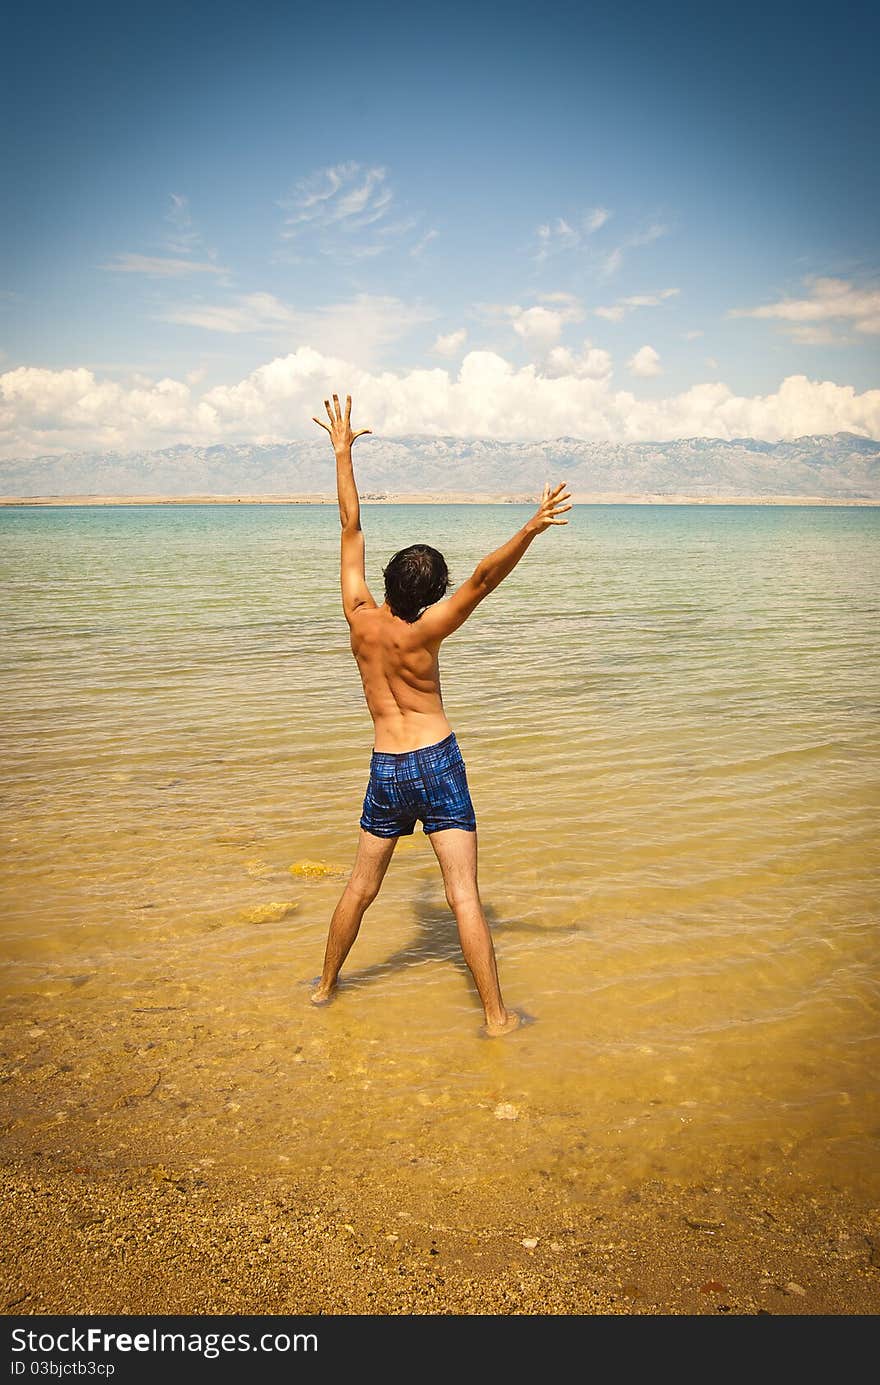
(397,756)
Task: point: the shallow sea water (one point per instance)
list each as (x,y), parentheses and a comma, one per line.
(670,721)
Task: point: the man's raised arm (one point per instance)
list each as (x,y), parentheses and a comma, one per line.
(440,620)
(355,591)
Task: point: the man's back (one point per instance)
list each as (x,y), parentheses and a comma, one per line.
(400,670)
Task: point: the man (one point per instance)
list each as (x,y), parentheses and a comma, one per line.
(416,769)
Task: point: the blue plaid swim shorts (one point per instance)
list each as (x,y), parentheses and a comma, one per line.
(429,785)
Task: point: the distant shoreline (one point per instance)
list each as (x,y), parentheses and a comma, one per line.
(431,498)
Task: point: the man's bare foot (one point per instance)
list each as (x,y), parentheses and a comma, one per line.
(511,1021)
(323,994)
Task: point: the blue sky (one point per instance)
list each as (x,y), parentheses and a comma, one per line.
(490,218)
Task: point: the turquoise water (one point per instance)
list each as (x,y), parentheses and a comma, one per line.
(670,719)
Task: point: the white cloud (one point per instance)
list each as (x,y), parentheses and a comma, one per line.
(160,266)
(541,327)
(650,233)
(423,243)
(360,327)
(559,235)
(691,336)
(619,310)
(344,211)
(596,219)
(45,411)
(592,364)
(183,242)
(645,362)
(828,299)
(567,300)
(184,238)
(814,336)
(346,195)
(249,312)
(611,262)
(451,343)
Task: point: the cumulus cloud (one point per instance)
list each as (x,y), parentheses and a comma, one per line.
(451,343)
(645,362)
(619,310)
(826,300)
(44,411)
(591,364)
(540,327)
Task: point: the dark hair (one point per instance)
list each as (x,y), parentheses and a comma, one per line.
(416,577)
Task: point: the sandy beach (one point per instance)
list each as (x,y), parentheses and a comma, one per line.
(180,1240)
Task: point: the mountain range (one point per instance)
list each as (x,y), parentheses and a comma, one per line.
(829,466)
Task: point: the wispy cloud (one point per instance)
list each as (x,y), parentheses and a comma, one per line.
(249,312)
(357,329)
(421,245)
(183,242)
(617,311)
(556,236)
(160,267)
(827,300)
(612,262)
(184,238)
(645,362)
(345,211)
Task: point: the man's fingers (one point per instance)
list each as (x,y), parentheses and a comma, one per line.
(337,408)
(557,521)
(560,509)
(329,411)
(348,408)
(320,423)
(360,432)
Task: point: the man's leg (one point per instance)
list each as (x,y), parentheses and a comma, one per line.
(373,856)
(456,851)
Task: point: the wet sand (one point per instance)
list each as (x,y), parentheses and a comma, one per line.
(181,1240)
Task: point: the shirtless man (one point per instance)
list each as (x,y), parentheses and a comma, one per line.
(416,769)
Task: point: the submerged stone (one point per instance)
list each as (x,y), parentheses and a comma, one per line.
(314,870)
(269,913)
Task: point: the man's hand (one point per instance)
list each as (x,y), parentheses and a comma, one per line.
(339,426)
(550,508)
